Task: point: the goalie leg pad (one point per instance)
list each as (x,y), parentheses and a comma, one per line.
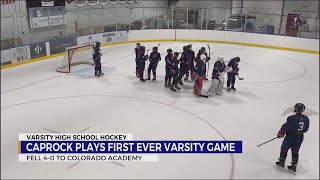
(198,86)
(213,86)
(220,86)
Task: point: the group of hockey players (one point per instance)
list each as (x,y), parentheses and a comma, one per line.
(187,65)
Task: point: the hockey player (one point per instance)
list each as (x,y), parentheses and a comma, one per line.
(97,59)
(137,52)
(294,129)
(232,74)
(190,57)
(203,51)
(167,67)
(154,58)
(174,70)
(142,62)
(184,67)
(199,71)
(217,77)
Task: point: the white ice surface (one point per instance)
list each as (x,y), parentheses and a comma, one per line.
(37,99)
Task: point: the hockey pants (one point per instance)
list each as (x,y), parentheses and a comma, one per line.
(292,142)
(137,68)
(152,67)
(141,69)
(166,79)
(97,67)
(231,79)
(191,69)
(184,70)
(174,77)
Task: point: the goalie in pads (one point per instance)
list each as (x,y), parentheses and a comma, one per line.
(198,75)
(217,77)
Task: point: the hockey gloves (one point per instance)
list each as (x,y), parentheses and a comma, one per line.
(281,133)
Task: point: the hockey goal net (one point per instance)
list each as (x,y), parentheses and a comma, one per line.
(76,55)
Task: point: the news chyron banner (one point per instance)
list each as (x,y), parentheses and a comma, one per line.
(111,147)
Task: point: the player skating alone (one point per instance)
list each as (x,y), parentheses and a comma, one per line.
(199,71)
(174,70)
(142,58)
(293,129)
(232,74)
(217,77)
(97,59)
(154,58)
(167,67)
(137,52)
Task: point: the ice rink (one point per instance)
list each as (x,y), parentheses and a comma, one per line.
(37,99)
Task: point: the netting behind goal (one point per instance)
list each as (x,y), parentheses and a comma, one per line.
(75,55)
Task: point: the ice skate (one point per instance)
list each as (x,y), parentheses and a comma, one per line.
(172,88)
(166,84)
(292,168)
(177,87)
(280,164)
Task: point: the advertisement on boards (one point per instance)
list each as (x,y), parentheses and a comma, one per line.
(38,50)
(111,37)
(6,57)
(21,53)
(59,45)
(89,39)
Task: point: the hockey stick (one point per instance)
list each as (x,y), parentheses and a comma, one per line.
(208,61)
(204,96)
(267,141)
(240,78)
(158,45)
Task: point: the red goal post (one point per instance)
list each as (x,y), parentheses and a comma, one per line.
(75,55)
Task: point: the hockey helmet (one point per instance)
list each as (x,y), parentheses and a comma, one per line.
(185,48)
(203,49)
(169,51)
(299,108)
(189,47)
(220,58)
(176,54)
(237,59)
(98,44)
(155,49)
(138,44)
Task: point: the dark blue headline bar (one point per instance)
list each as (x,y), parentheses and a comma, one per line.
(131,147)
